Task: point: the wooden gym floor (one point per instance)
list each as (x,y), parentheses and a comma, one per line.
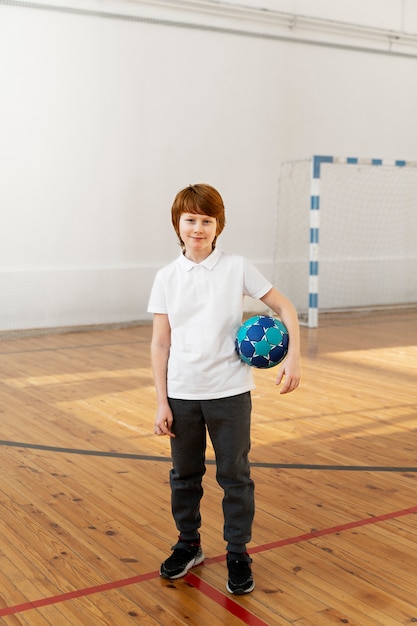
(85,516)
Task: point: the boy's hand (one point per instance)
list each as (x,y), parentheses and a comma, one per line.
(290,371)
(163,421)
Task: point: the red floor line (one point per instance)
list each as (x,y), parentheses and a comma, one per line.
(76,593)
(335,529)
(225,601)
(218,597)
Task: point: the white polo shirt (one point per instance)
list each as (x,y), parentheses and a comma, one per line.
(204,304)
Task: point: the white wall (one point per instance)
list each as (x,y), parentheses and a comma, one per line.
(103,119)
(389,14)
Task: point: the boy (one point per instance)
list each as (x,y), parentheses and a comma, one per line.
(201,383)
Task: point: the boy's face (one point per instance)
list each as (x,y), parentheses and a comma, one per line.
(197,233)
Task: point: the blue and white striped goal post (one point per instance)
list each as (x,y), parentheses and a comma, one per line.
(313,278)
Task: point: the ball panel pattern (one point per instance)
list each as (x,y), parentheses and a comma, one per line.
(262,341)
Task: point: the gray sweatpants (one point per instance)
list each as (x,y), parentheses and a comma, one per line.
(228,423)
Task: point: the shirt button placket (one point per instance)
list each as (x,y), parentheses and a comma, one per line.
(200,283)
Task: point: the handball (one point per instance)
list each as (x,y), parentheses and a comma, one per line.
(262,341)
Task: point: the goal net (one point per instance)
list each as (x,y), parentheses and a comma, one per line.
(346,234)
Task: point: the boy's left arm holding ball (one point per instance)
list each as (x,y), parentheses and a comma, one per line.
(289,370)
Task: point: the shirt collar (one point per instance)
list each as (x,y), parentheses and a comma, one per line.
(210,262)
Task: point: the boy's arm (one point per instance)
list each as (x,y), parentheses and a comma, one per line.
(290,367)
(160,346)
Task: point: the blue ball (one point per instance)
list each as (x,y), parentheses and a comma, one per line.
(262,341)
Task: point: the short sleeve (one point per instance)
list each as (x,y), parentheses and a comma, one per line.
(157,299)
(255,283)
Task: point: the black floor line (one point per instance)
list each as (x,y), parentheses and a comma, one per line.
(167,459)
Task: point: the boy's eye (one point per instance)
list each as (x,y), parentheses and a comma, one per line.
(192,220)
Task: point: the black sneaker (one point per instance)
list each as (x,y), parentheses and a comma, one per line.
(240,573)
(184,557)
